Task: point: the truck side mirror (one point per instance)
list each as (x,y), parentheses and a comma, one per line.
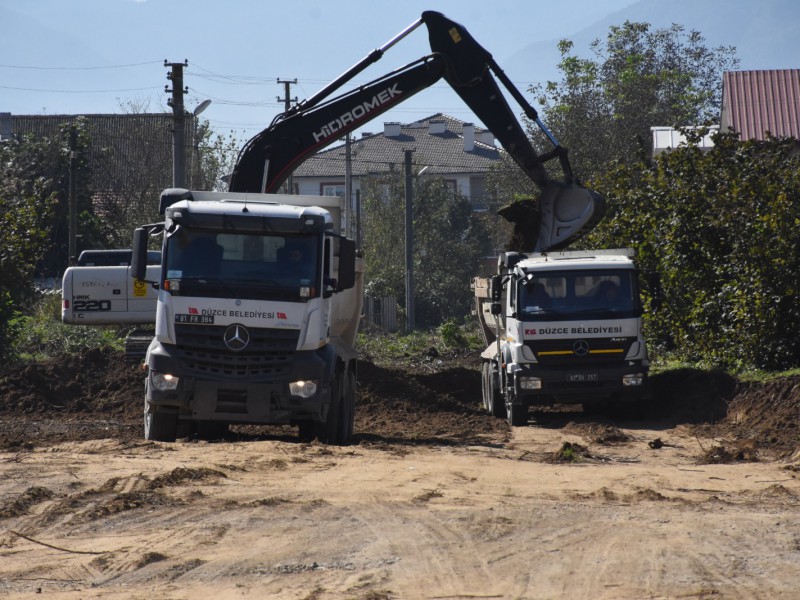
(496,289)
(347,264)
(139,254)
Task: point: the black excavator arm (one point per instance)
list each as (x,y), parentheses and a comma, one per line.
(564,211)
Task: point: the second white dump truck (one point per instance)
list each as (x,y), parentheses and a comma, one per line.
(562,328)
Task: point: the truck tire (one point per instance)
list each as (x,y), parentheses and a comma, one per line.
(485,386)
(160,426)
(337,429)
(517,413)
(349,405)
(496,405)
(307,431)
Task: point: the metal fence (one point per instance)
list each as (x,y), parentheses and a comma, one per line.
(381,312)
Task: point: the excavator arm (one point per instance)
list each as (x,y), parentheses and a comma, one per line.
(564,211)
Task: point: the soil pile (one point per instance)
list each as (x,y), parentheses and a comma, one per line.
(96,394)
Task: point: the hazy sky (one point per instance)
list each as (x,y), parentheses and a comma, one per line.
(94,56)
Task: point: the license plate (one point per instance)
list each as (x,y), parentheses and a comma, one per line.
(580,377)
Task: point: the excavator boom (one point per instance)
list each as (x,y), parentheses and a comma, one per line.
(564,211)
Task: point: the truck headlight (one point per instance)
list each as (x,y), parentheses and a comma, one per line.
(163,382)
(528,354)
(304,389)
(633,379)
(529,383)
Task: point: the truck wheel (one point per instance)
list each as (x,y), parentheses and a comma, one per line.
(307,431)
(485,386)
(329,431)
(496,405)
(160,426)
(350,404)
(517,413)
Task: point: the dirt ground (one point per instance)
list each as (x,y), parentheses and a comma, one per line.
(435,499)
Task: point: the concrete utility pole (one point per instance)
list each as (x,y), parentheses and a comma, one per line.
(348,185)
(409,243)
(287,104)
(178,121)
(73,200)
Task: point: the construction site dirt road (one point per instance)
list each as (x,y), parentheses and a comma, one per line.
(435,499)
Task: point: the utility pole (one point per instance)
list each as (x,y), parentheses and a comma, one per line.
(73,200)
(287,104)
(178,121)
(409,243)
(348,185)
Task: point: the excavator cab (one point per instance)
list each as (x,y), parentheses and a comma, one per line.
(563,212)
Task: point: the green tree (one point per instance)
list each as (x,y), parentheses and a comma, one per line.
(39,168)
(450,242)
(604,106)
(24,240)
(720,227)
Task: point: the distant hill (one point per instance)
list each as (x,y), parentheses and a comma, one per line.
(764,33)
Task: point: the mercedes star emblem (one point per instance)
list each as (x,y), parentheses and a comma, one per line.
(580,348)
(236,337)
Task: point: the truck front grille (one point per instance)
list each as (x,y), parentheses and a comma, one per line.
(203,353)
(571,352)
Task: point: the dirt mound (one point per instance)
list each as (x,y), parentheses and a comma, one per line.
(96,381)
(763,415)
(96,394)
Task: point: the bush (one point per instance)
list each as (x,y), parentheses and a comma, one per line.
(42,335)
(720,228)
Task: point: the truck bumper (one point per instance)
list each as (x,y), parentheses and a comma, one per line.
(243,400)
(535,386)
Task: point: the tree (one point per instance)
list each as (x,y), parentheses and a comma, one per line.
(720,228)
(604,106)
(39,168)
(24,240)
(449,245)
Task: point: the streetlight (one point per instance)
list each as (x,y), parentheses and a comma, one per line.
(195,145)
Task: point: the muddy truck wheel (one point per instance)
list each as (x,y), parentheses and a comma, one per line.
(496,405)
(337,429)
(517,414)
(160,426)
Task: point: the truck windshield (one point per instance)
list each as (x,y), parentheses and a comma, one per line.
(255,266)
(587,294)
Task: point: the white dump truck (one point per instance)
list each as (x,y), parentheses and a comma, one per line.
(259,301)
(562,328)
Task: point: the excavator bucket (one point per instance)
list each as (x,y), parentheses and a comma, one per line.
(568,211)
(562,214)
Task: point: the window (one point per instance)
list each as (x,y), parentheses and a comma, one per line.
(332,189)
(598,294)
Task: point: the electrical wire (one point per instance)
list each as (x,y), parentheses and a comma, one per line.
(37,68)
(8,87)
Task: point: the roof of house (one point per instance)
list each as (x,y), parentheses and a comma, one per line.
(757,102)
(443,153)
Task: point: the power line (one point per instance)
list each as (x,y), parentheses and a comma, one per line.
(8,87)
(37,68)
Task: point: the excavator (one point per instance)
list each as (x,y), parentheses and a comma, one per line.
(564,211)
